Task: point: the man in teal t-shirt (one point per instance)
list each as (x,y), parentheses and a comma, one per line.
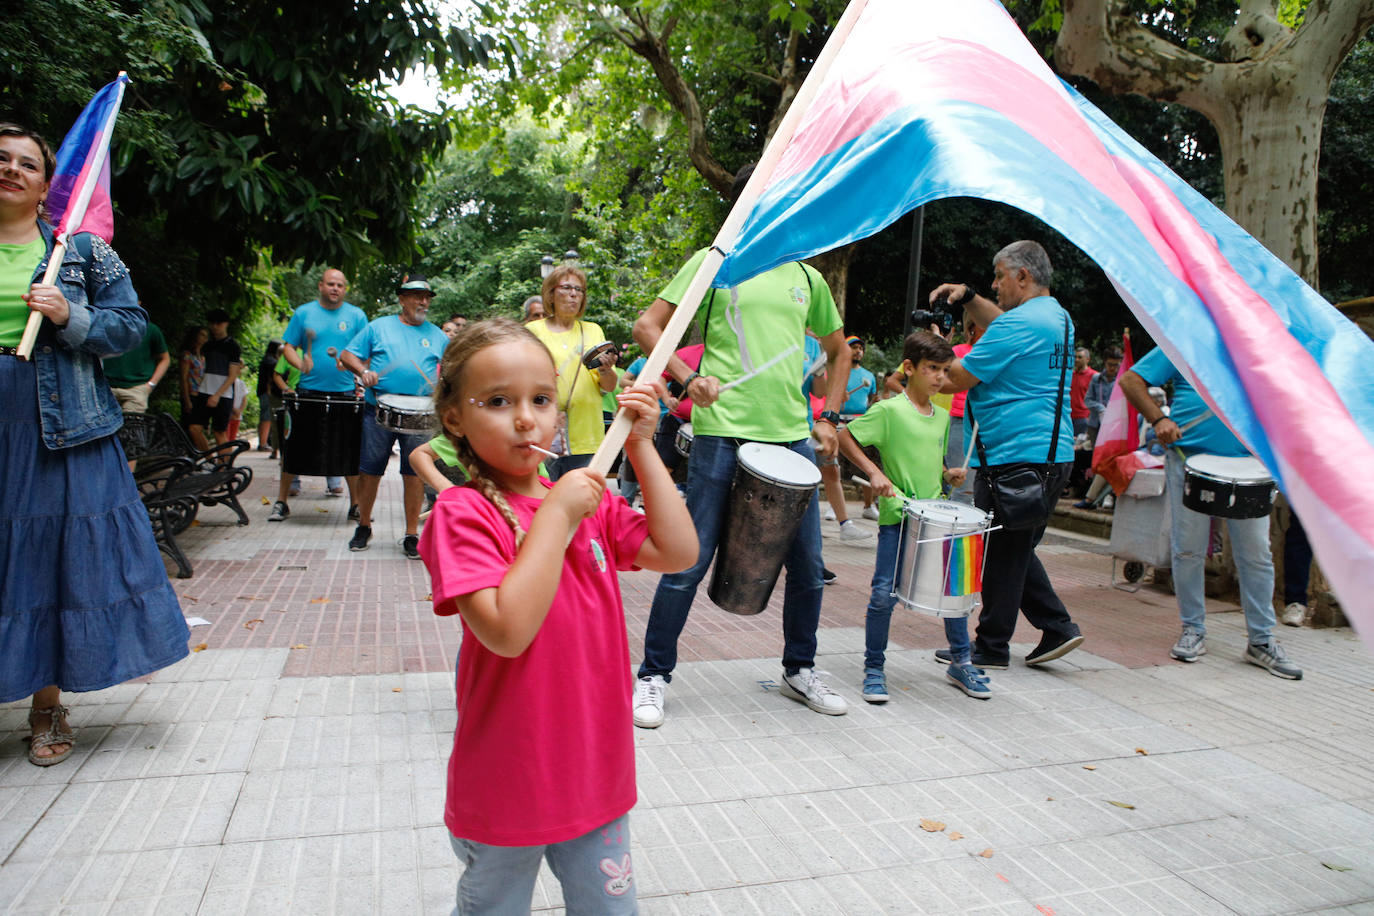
(1015,377)
(132,376)
(745,329)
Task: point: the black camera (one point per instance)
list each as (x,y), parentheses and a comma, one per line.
(922,319)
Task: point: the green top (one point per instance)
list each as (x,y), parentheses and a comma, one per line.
(609,404)
(134,368)
(17,264)
(748,326)
(293,375)
(912,447)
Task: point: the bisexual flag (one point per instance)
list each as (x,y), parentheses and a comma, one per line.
(79,197)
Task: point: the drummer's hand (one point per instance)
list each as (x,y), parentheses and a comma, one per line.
(307,365)
(956,476)
(1167,431)
(49,302)
(704,390)
(882,486)
(368,378)
(576,495)
(828,441)
(642,403)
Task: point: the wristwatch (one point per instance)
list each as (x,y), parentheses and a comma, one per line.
(831,417)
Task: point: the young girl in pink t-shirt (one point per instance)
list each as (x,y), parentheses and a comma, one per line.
(543,752)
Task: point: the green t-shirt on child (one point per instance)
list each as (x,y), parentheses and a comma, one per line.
(912,447)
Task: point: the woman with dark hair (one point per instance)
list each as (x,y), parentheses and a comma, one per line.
(580,424)
(84,597)
(191,366)
(265,391)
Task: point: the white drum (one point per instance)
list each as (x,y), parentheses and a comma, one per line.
(405,413)
(940,565)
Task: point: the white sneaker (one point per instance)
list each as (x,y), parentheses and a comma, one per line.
(852,532)
(649,701)
(806,685)
(871,513)
(1294,614)
(827,514)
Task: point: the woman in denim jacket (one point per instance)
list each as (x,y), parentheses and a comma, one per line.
(84,598)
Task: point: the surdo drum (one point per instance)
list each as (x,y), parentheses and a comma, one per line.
(405,413)
(940,564)
(1227,487)
(773,488)
(324,435)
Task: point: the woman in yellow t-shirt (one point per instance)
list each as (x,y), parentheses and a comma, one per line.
(568,338)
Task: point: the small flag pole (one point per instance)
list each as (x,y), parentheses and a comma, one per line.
(686,310)
(76,211)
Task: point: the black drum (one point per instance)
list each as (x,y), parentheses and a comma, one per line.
(325,435)
(1227,487)
(772,489)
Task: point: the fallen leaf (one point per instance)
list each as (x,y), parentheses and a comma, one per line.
(1142,752)
(1120,804)
(249,598)
(252,624)
(320,509)
(1336,867)
(1049,798)
(1048,911)
(930,826)
(200,648)
(300,645)
(1089,766)
(397,689)
(195,523)
(986,853)
(955,835)
(320,600)
(190,598)
(266,501)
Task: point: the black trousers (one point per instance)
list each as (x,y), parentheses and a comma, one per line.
(1014,579)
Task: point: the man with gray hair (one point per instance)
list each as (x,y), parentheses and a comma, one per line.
(1017,383)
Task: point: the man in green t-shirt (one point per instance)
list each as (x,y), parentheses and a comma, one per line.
(132,376)
(745,329)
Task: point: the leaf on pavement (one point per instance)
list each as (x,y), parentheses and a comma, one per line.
(1336,867)
(319,600)
(1089,766)
(1142,752)
(200,648)
(252,624)
(300,645)
(955,835)
(986,853)
(930,826)
(1120,804)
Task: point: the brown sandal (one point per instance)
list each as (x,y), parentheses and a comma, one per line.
(58,732)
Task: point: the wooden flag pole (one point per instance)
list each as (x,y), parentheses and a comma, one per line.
(76,212)
(729,231)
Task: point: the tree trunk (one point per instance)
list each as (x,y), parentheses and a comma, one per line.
(834,266)
(1270,141)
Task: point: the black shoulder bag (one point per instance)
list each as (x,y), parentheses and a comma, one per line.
(1021,494)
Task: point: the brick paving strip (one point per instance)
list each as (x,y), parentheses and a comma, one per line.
(296,764)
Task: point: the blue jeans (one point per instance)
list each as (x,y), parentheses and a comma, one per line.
(878,618)
(1249,546)
(594,871)
(377,442)
(709,476)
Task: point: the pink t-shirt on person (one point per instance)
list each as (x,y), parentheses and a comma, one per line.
(544,748)
(956,405)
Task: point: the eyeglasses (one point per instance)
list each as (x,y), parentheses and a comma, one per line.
(570,288)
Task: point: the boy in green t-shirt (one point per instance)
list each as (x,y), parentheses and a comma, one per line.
(910,432)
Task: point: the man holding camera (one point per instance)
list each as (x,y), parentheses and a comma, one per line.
(1017,385)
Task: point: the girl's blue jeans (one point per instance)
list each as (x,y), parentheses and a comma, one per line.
(878,619)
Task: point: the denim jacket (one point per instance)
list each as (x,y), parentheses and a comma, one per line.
(75,404)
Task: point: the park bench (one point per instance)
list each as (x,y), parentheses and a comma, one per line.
(175,478)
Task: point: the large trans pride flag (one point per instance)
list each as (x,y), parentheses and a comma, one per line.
(928,99)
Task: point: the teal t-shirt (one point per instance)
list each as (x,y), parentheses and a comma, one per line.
(1211,436)
(860,387)
(912,447)
(136,367)
(315,330)
(747,326)
(405,357)
(1017,363)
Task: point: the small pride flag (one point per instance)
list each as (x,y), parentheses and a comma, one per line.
(963,558)
(79,198)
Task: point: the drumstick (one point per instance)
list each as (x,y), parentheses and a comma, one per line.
(863,482)
(968,455)
(748,375)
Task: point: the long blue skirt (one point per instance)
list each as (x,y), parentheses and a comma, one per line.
(84,598)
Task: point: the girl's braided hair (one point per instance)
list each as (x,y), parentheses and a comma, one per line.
(473,339)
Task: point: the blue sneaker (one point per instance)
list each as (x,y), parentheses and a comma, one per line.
(970,680)
(875,685)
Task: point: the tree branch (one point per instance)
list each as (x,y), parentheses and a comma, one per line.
(788,79)
(1329,31)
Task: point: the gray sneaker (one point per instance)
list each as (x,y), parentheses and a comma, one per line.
(1190,646)
(1271,658)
